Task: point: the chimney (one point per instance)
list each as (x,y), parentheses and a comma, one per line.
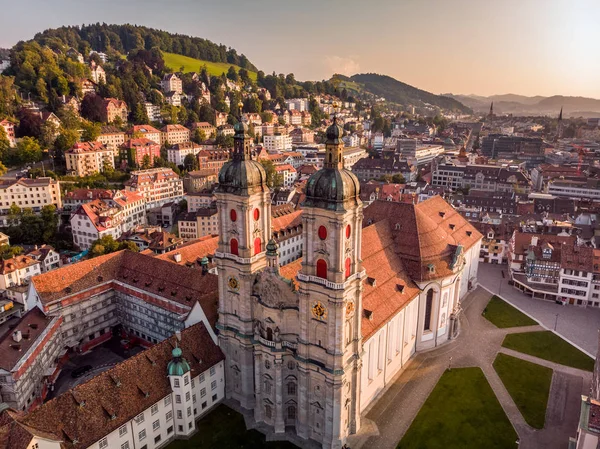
(534,240)
(177,257)
(17,336)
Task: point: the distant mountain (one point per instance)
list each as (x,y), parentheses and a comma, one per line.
(536,105)
(405,94)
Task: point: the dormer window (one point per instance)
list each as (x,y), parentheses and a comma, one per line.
(431,268)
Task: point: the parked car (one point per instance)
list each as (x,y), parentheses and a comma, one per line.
(78,372)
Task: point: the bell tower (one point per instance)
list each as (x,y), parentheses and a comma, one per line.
(244,210)
(330,301)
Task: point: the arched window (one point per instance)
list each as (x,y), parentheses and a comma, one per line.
(330,157)
(291,387)
(428,308)
(348,231)
(291,412)
(348,266)
(233,247)
(256,214)
(269,334)
(233,215)
(257,245)
(322,269)
(268,412)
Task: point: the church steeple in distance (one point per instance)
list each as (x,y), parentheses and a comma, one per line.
(491,110)
(560,115)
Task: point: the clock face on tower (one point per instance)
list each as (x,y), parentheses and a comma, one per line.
(233,283)
(319,311)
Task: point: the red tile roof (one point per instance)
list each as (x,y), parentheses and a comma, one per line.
(91,410)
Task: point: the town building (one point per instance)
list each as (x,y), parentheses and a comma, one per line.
(374,168)
(113,109)
(206,127)
(197,201)
(97,73)
(178,152)
(302,135)
(173,99)
(171,83)
(153,112)
(174,134)
(112,138)
(77,197)
(277,143)
(199,180)
(17,271)
(575,188)
(135,152)
(87,158)
(146,131)
(212,159)
(9,129)
(220,118)
(28,193)
(47,256)
(288,350)
(154,239)
(156,185)
(288,175)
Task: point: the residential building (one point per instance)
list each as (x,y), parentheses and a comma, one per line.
(173,98)
(98,74)
(197,201)
(29,193)
(220,118)
(113,109)
(199,180)
(48,258)
(134,151)
(164,214)
(225,130)
(208,129)
(178,152)
(146,131)
(87,158)
(302,135)
(488,178)
(95,219)
(156,185)
(288,173)
(153,112)
(251,118)
(77,197)
(297,104)
(171,83)
(154,239)
(295,117)
(374,168)
(17,271)
(174,134)
(9,129)
(212,159)
(112,138)
(277,143)
(576,280)
(576,188)
(287,233)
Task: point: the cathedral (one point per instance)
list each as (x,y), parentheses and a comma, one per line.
(310,345)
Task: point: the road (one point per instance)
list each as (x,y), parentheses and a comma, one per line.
(578,325)
(12,173)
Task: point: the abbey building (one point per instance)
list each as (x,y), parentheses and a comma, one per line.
(309,345)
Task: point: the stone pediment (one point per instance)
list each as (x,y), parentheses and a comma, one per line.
(274,291)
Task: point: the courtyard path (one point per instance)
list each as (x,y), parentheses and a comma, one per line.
(479,342)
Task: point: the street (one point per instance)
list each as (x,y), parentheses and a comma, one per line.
(578,325)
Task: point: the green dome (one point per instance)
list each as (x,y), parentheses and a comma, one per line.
(204,261)
(242,177)
(178,366)
(240,127)
(334,133)
(332,188)
(272,248)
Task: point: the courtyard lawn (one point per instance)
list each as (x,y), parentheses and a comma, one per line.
(224,428)
(529,386)
(503,315)
(549,346)
(461,412)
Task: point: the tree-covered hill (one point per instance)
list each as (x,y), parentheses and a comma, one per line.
(125,38)
(404,94)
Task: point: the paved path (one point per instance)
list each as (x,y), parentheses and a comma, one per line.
(576,324)
(478,344)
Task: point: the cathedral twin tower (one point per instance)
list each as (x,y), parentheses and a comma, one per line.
(292,343)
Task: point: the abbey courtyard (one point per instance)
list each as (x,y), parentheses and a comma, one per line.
(380,335)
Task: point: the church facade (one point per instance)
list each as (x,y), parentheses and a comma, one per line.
(310,345)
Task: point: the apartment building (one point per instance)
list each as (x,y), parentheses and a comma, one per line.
(46,255)
(29,193)
(288,173)
(156,185)
(9,129)
(199,180)
(112,109)
(87,158)
(220,118)
(174,134)
(208,129)
(212,159)
(17,271)
(112,138)
(178,152)
(197,201)
(133,152)
(146,131)
(287,232)
(277,143)
(171,83)
(97,73)
(575,188)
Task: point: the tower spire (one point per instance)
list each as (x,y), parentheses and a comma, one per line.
(560,114)
(492,109)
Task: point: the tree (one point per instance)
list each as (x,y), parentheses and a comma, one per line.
(29,150)
(190,162)
(232,74)
(140,116)
(146,162)
(224,141)
(398,179)
(8,252)
(199,135)
(91,131)
(92,107)
(107,244)
(30,124)
(274,179)
(4,143)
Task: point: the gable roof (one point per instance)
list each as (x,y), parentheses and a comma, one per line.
(93,409)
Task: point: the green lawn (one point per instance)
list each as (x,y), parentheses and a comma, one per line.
(528,385)
(462,412)
(502,314)
(549,346)
(225,429)
(175,62)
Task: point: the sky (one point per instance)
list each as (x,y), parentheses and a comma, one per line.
(484,47)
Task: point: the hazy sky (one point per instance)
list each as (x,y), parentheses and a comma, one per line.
(530,47)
